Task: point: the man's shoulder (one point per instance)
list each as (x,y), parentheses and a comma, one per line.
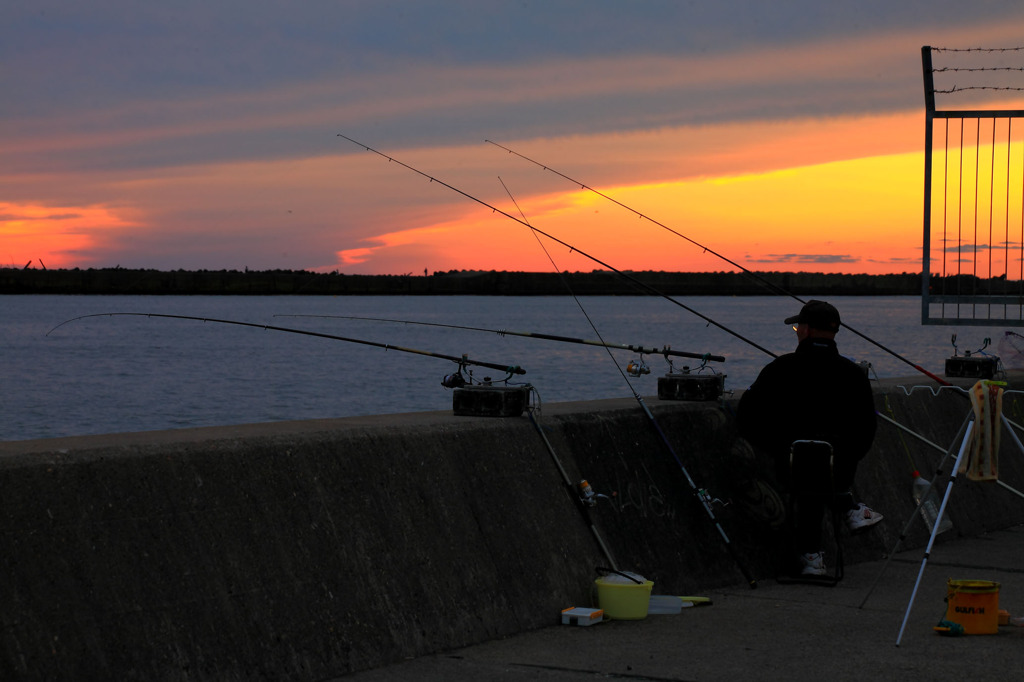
(827,360)
(777,363)
(785,359)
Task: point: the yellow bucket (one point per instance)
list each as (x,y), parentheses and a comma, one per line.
(624,601)
(974,604)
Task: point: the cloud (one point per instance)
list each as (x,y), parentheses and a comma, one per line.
(956,248)
(896,260)
(11,217)
(199,126)
(233,96)
(816,258)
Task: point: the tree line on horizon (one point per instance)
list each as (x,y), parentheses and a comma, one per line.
(119,280)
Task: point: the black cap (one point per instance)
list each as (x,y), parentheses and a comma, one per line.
(817,315)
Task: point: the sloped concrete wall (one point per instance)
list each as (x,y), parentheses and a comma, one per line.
(306,550)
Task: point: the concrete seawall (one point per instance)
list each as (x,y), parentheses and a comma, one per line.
(307,550)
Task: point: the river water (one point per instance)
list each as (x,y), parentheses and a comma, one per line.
(125,373)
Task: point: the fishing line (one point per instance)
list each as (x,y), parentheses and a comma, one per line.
(561,276)
(530,413)
(623,275)
(536,231)
(941,382)
(460,361)
(707,249)
(700,493)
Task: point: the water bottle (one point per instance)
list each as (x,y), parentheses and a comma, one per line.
(929,505)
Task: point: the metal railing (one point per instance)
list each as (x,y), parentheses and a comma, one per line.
(973,245)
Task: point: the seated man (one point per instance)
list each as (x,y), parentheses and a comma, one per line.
(814,393)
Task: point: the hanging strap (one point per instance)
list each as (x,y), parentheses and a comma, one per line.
(983,459)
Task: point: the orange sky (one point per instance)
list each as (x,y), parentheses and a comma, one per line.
(808,200)
(52,236)
(779,154)
(850,215)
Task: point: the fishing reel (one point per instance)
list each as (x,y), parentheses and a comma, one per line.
(587,495)
(709,500)
(454,380)
(637,367)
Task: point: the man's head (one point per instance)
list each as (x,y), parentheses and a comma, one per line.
(816,318)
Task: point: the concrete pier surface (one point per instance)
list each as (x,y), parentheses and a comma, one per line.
(776,632)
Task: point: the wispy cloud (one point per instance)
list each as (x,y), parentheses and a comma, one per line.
(12,217)
(805,258)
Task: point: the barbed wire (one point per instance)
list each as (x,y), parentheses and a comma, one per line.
(947,69)
(977,69)
(977,49)
(974,87)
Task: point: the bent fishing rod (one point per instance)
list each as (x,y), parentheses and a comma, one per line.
(460,361)
(665,350)
(638,283)
(706,249)
(702,495)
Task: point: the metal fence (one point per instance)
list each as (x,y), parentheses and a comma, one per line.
(973,248)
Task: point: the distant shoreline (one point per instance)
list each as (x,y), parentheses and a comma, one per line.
(123,281)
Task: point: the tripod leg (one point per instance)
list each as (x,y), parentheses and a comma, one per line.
(935,529)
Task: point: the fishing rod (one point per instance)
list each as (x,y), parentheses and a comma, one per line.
(580,492)
(640,284)
(584,493)
(701,494)
(706,249)
(455,380)
(664,350)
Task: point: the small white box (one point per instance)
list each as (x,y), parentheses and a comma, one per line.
(576,615)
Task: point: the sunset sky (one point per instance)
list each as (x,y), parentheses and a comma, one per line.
(196,134)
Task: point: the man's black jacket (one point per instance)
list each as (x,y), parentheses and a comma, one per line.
(811,394)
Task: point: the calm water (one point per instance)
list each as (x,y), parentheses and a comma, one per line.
(112,374)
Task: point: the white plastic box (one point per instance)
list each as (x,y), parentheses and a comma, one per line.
(577,615)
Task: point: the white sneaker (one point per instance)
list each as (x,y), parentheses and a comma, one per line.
(862,517)
(814,564)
